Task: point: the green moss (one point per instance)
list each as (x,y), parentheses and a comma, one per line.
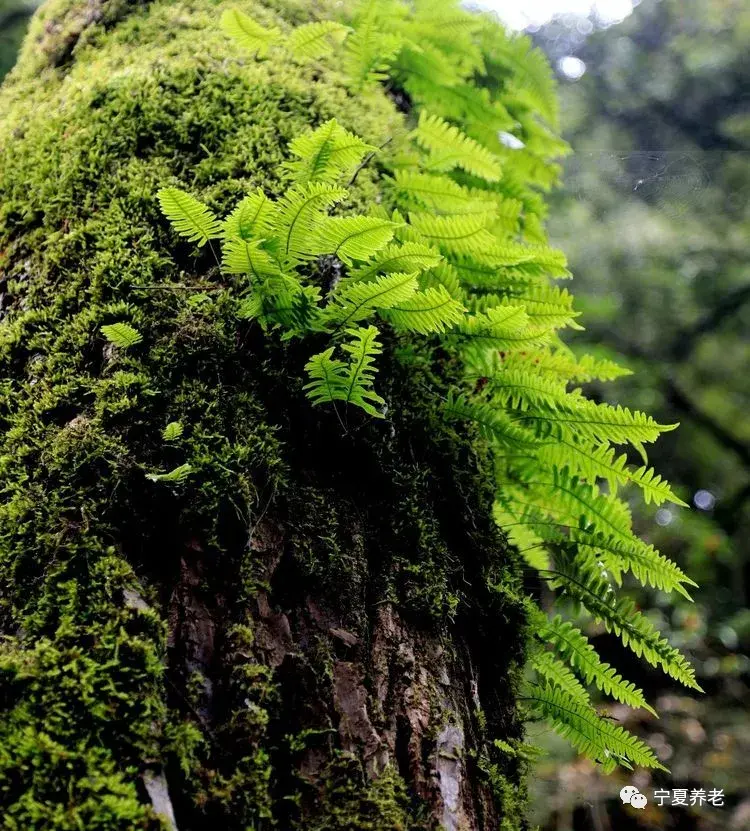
(97,116)
(350,803)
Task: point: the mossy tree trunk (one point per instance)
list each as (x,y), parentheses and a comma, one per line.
(320,628)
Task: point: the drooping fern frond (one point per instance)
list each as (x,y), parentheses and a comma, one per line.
(353,237)
(357,301)
(189,216)
(619,615)
(492,424)
(456,234)
(597,461)
(449,148)
(247,33)
(349,382)
(431,310)
(410,257)
(313,40)
(573,646)
(589,733)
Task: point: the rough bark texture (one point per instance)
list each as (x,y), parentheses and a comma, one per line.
(319,628)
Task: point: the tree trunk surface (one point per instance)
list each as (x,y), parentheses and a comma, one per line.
(320,627)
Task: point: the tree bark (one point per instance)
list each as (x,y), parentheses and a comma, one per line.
(320,627)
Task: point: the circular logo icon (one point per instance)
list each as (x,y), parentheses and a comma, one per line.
(638,800)
(627,793)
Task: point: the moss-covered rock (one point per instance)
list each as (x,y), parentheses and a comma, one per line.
(299,632)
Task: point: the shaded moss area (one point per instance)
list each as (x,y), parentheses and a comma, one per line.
(151,629)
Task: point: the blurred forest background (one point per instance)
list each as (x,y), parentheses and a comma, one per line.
(654,214)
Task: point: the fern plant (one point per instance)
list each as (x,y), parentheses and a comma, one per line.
(459,253)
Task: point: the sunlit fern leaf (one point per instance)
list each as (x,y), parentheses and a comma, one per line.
(410,257)
(599,462)
(573,646)
(247,257)
(282,301)
(247,33)
(298,214)
(440,194)
(443,276)
(599,422)
(449,148)
(594,736)
(352,238)
(189,216)
(521,390)
(546,305)
(175,476)
(647,565)
(504,328)
(122,335)
(172,431)
(325,153)
(372,48)
(313,40)
(358,300)
(566,367)
(251,218)
(349,382)
(555,673)
(432,310)
(493,424)
(455,234)
(621,617)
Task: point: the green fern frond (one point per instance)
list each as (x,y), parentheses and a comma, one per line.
(621,617)
(349,382)
(450,148)
(172,431)
(598,462)
(247,257)
(353,237)
(456,234)
(357,301)
(443,276)
(281,300)
(503,328)
(431,310)
(247,33)
(372,48)
(409,257)
(589,733)
(298,214)
(493,424)
(573,646)
(555,673)
(189,216)
(439,194)
(122,335)
(326,153)
(602,423)
(251,218)
(313,40)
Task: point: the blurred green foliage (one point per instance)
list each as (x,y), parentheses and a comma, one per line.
(14,18)
(655,219)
